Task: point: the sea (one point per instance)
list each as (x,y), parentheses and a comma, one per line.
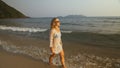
(104,25)
(97,31)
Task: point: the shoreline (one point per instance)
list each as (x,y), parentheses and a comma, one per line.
(68,46)
(10,60)
(72,50)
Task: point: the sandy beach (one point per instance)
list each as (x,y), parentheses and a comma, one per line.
(76,54)
(8,60)
(12,60)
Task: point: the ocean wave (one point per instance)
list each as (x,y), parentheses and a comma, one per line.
(22,29)
(28,29)
(66,31)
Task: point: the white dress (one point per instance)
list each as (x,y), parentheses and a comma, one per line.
(55,42)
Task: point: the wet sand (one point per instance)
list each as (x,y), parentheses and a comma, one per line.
(69,47)
(10,60)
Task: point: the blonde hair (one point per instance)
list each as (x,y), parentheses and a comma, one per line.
(53,23)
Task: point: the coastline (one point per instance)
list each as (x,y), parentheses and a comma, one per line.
(17,60)
(8,60)
(85,52)
(11,60)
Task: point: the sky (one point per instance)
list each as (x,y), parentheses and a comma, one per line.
(53,8)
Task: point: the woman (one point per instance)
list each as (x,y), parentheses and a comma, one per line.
(56,42)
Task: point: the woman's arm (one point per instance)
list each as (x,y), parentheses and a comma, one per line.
(51,40)
(61,39)
(51,37)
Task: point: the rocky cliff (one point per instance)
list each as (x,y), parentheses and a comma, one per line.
(7,11)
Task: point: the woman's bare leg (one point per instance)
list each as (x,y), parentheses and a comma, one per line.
(51,58)
(62,59)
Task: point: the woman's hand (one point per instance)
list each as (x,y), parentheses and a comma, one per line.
(52,49)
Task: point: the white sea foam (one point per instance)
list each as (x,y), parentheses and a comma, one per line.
(22,29)
(66,31)
(27,29)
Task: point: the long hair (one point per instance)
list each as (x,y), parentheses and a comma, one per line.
(53,23)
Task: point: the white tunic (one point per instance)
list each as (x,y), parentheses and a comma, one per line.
(55,42)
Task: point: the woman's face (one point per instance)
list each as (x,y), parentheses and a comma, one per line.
(57,21)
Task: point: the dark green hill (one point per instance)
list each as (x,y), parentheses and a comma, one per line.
(9,12)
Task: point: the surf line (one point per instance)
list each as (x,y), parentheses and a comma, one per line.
(22,29)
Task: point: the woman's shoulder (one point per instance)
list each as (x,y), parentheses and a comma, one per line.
(53,30)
